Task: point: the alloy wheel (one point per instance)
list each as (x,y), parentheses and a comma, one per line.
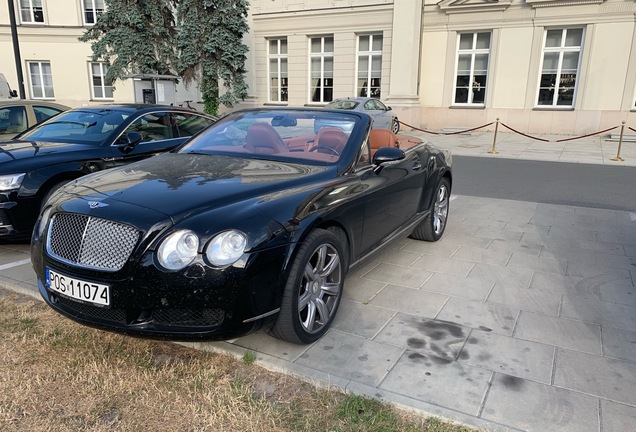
(320,288)
(440,212)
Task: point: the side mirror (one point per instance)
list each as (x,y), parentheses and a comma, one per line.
(129,141)
(387,154)
(389,108)
(13,93)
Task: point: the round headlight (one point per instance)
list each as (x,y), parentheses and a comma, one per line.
(178,250)
(226,248)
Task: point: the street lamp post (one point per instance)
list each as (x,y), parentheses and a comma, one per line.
(16,49)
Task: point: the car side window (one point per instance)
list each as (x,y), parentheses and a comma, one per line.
(13,120)
(379,105)
(154,127)
(369,105)
(43,112)
(190,124)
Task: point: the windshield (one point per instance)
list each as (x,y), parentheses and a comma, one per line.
(91,126)
(313,136)
(342,104)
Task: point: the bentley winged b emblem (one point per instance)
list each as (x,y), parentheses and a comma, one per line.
(96,204)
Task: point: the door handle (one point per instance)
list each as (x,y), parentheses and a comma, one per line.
(417,165)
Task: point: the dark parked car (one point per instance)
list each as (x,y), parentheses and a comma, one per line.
(80,142)
(254,222)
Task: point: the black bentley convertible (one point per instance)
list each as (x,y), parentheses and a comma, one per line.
(254,222)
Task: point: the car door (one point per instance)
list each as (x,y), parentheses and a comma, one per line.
(392,197)
(159,134)
(42,113)
(377,111)
(13,120)
(384,118)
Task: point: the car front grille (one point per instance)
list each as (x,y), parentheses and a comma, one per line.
(91,242)
(188,317)
(4,218)
(114,315)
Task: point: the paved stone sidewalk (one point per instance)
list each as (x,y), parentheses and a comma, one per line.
(523,317)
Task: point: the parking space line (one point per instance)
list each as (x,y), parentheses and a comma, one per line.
(15,264)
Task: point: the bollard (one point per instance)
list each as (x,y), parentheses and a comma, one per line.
(494,139)
(618,157)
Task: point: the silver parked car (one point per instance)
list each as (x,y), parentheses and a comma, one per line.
(382,115)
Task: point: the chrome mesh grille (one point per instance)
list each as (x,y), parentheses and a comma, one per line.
(91,242)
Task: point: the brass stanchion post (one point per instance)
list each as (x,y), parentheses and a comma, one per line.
(494,139)
(618,157)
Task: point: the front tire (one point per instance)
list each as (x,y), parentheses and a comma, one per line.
(313,290)
(395,126)
(432,227)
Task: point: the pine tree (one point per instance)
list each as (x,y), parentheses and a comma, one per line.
(140,36)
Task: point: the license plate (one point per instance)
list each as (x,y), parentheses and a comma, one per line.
(78,289)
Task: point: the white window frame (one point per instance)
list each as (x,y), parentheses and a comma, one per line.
(562,49)
(279,57)
(31,8)
(322,55)
(473,52)
(103,78)
(369,55)
(41,76)
(96,11)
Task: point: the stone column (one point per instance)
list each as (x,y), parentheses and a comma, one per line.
(405,53)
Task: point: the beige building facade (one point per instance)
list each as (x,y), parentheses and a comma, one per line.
(542,66)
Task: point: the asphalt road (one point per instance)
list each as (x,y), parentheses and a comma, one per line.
(577,184)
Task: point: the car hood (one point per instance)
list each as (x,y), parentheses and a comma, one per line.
(179,185)
(18,150)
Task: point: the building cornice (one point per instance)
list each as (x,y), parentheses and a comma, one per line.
(549,3)
(465,6)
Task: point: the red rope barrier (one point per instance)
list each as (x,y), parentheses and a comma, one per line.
(588,135)
(444,133)
(513,130)
(521,133)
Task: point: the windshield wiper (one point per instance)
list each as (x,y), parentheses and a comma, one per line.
(73,122)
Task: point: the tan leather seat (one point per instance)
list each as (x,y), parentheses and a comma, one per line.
(382,138)
(261,138)
(330,138)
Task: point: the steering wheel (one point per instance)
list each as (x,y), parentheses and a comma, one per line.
(330,149)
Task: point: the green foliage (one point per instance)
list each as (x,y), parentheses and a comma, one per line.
(249,357)
(139,36)
(134,36)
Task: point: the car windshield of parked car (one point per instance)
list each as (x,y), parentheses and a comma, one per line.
(342,104)
(310,136)
(78,126)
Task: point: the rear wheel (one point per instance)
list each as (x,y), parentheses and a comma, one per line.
(432,227)
(314,289)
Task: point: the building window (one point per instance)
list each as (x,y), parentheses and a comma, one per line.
(41,80)
(321,59)
(102,89)
(278,78)
(31,11)
(369,65)
(560,67)
(473,52)
(92,10)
